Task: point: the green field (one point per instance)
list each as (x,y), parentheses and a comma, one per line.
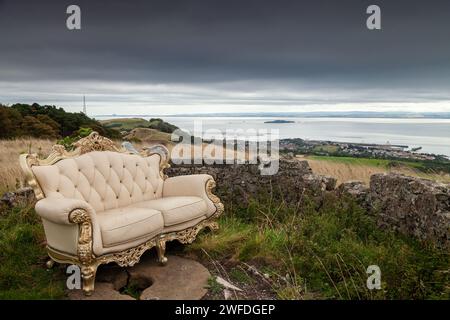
(380,163)
(125,123)
(128,124)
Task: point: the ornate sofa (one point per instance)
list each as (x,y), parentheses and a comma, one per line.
(100,204)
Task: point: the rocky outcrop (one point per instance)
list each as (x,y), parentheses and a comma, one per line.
(20,196)
(147,280)
(355,189)
(412,206)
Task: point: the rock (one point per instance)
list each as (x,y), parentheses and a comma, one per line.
(237,183)
(356,189)
(113,274)
(289,156)
(330,182)
(8,198)
(412,206)
(180,279)
(103,291)
(20,196)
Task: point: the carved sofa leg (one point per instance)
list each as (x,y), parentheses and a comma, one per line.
(50,263)
(213,226)
(161,249)
(88,275)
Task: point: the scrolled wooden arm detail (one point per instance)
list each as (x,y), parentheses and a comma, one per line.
(84,249)
(210,185)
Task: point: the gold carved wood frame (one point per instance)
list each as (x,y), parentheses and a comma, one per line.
(85,258)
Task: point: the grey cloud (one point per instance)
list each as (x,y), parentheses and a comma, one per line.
(321,47)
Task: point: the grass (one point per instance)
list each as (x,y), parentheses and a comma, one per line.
(348,168)
(238,275)
(325,252)
(11,176)
(125,123)
(214,287)
(149,135)
(382,163)
(22,258)
(128,124)
(305,251)
(326,148)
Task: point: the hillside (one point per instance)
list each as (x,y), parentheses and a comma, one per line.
(148,136)
(128,124)
(24,120)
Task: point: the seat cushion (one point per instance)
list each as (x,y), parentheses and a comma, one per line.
(127,224)
(177,210)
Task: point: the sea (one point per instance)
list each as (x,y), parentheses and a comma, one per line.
(432,135)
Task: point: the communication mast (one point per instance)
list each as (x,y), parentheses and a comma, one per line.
(84,105)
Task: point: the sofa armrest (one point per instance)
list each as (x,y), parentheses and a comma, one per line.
(69,211)
(58,209)
(196,185)
(189,185)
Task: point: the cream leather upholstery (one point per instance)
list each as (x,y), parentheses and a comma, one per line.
(105,180)
(123,225)
(55,211)
(125,196)
(191,185)
(176,210)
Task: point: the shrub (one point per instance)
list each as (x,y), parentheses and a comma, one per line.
(161,125)
(68,141)
(46,122)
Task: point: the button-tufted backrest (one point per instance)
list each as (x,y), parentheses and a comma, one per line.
(104,179)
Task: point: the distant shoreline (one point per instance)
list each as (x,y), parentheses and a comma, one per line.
(353,114)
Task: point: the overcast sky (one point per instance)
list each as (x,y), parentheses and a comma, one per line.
(168,56)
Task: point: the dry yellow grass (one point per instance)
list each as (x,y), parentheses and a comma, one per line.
(11,176)
(347,172)
(344,172)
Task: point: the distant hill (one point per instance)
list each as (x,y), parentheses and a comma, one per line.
(279,121)
(148,136)
(128,124)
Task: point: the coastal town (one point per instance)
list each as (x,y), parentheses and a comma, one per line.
(379,151)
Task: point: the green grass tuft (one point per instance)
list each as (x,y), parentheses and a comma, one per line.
(22,258)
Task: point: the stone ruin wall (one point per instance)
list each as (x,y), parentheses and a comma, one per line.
(413,206)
